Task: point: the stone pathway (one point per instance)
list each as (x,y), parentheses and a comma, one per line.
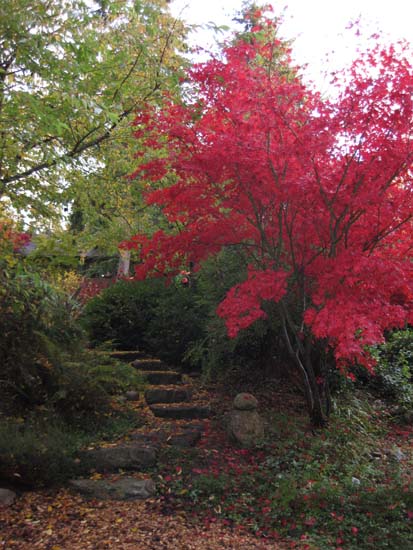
(174,416)
(171,396)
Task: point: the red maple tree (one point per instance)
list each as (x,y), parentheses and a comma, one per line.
(317,192)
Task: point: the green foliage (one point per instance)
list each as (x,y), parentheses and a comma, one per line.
(145,315)
(179,324)
(177,320)
(113,376)
(42,356)
(255,348)
(121,313)
(52,390)
(70,77)
(394,371)
(39,453)
(222,357)
(61,148)
(36,326)
(80,391)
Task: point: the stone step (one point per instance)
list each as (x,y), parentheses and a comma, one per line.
(167,395)
(149,364)
(184,440)
(187,436)
(127,356)
(161,378)
(181,412)
(136,456)
(127,488)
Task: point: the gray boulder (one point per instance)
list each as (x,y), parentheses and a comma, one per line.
(132,395)
(244,425)
(127,488)
(245,402)
(7,497)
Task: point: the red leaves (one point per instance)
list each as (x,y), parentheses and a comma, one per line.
(317,191)
(9,237)
(242,305)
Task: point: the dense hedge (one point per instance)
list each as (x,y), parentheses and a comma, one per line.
(178,323)
(148,315)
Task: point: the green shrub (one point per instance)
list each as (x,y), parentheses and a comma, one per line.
(146,315)
(121,313)
(394,371)
(37,325)
(82,389)
(177,320)
(42,357)
(219,356)
(179,324)
(257,347)
(37,454)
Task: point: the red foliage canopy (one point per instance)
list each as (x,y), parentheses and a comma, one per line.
(319,192)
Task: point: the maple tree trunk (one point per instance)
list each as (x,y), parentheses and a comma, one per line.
(300,351)
(317,412)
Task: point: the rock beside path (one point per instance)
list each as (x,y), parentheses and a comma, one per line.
(132,395)
(7,497)
(127,488)
(245,425)
(245,402)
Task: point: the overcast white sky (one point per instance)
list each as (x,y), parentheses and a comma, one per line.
(318,26)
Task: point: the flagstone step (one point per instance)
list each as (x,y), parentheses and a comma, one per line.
(127,488)
(167,395)
(161,378)
(186,436)
(127,356)
(150,364)
(180,412)
(135,456)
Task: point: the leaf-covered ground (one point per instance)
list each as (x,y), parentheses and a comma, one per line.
(62,521)
(348,487)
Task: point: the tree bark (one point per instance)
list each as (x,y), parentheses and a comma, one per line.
(300,351)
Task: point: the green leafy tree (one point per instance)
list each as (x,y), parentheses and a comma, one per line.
(72,73)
